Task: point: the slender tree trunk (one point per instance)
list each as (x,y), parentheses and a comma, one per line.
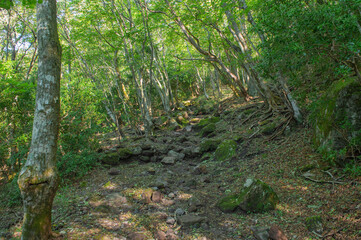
(38,179)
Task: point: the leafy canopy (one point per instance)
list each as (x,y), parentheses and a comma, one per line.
(7,4)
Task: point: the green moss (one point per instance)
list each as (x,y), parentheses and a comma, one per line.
(210,128)
(209,145)
(111,158)
(337,121)
(256,196)
(229,203)
(324,113)
(204,122)
(206,156)
(263,200)
(124,153)
(226,150)
(114,158)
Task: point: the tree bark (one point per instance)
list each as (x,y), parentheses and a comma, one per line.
(38,179)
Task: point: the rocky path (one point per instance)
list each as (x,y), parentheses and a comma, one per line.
(168,186)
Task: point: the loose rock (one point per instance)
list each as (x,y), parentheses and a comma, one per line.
(190,219)
(169,160)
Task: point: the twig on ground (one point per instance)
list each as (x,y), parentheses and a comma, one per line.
(318,235)
(254,133)
(333,232)
(320,181)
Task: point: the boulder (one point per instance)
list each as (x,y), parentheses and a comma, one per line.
(226,150)
(255,196)
(338,119)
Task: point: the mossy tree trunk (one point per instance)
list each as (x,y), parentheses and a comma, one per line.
(38,179)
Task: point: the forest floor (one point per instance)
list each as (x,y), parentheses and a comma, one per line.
(143,198)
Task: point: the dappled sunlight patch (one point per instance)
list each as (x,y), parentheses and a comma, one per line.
(293,187)
(135,193)
(109,224)
(77,231)
(287,209)
(110,186)
(184,196)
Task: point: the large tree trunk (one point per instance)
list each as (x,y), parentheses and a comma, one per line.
(38,179)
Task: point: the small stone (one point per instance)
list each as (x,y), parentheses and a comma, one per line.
(170,221)
(171,195)
(114,171)
(260,233)
(190,219)
(168,160)
(157,197)
(179,212)
(178,156)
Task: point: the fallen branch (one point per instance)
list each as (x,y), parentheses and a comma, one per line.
(320,181)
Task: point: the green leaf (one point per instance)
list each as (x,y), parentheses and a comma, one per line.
(7,4)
